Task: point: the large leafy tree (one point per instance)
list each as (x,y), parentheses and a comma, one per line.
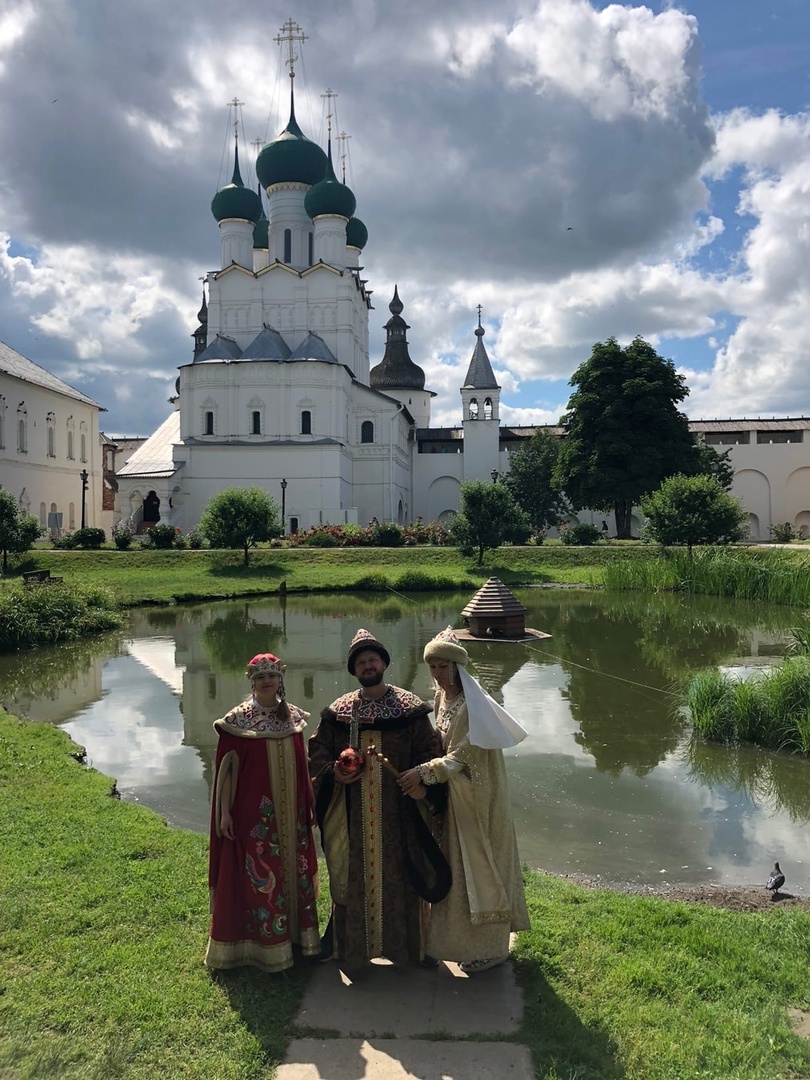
(624,433)
(488,517)
(18,530)
(240,518)
(532,482)
(693,510)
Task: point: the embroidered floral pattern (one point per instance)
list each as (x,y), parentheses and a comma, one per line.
(394,704)
(250,716)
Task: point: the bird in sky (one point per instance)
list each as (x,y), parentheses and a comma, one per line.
(776,880)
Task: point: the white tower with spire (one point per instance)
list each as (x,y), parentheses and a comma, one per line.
(481,401)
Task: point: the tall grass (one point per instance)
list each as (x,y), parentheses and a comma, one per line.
(772,576)
(771,709)
(39,614)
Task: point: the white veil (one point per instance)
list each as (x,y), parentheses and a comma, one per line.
(491,726)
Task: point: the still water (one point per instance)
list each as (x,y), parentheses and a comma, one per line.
(608,783)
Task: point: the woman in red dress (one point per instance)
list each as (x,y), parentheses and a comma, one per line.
(263,866)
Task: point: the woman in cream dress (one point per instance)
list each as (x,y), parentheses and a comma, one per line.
(486,901)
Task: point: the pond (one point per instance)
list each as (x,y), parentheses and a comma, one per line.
(609,782)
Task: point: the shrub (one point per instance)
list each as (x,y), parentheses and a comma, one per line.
(122,533)
(387,534)
(88,538)
(582,535)
(195,537)
(56,613)
(65,542)
(783,533)
(162,536)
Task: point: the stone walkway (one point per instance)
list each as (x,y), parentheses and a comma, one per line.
(384,1026)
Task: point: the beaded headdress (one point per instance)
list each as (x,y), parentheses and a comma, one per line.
(264,664)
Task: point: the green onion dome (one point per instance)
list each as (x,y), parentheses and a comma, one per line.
(235,200)
(261,231)
(356,233)
(290,158)
(329,196)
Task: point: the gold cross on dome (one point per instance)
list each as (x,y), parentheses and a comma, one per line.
(289,33)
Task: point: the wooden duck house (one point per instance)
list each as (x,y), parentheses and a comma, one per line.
(495,614)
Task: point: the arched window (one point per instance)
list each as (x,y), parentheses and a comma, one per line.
(473,413)
(43,520)
(367,432)
(293,524)
(83,446)
(22,436)
(51,441)
(70,446)
(488,409)
(288,245)
(256,422)
(306,422)
(2,431)
(311,249)
(209,423)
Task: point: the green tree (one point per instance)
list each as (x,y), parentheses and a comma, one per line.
(712,463)
(693,510)
(488,516)
(18,530)
(532,482)
(240,518)
(623,431)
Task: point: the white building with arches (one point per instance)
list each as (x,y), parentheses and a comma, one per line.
(49,436)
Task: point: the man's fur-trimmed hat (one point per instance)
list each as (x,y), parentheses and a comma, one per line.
(363,641)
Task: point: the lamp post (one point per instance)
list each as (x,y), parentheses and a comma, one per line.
(283,507)
(83,475)
(494,474)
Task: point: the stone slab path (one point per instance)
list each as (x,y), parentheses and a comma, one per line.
(384,1026)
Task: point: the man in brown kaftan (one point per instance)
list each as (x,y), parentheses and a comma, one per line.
(382,859)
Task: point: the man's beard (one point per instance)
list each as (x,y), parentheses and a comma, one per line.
(372,679)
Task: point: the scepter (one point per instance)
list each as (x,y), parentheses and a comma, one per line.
(383,760)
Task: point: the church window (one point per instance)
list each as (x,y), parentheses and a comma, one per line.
(256,422)
(293,525)
(311,249)
(83,447)
(306,422)
(367,432)
(2,432)
(22,436)
(473,409)
(209,423)
(51,441)
(488,409)
(42,515)
(288,245)
(70,446)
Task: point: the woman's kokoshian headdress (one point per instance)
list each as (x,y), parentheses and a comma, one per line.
(264,664)
(491,726)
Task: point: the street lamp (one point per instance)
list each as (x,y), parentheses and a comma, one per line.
(283,507)
(494,474)
(83,475)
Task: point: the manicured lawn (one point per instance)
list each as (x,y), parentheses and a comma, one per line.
(103,923)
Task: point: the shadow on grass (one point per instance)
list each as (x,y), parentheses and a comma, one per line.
(562,1045)
(267,1004)
(221,568)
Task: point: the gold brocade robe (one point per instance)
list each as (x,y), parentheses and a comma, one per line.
(486,901)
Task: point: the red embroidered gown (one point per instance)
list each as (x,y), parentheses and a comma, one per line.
(264,882)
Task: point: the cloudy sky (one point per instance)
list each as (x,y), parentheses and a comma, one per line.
(579,169)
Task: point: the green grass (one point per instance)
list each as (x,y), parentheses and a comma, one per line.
(775,576)
(103,923)
(40,614)
(769,708)
(156,577)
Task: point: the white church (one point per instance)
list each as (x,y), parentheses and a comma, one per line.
(281,393)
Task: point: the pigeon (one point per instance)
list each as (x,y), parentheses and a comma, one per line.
(776,880)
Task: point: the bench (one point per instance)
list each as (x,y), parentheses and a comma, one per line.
(39,577)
